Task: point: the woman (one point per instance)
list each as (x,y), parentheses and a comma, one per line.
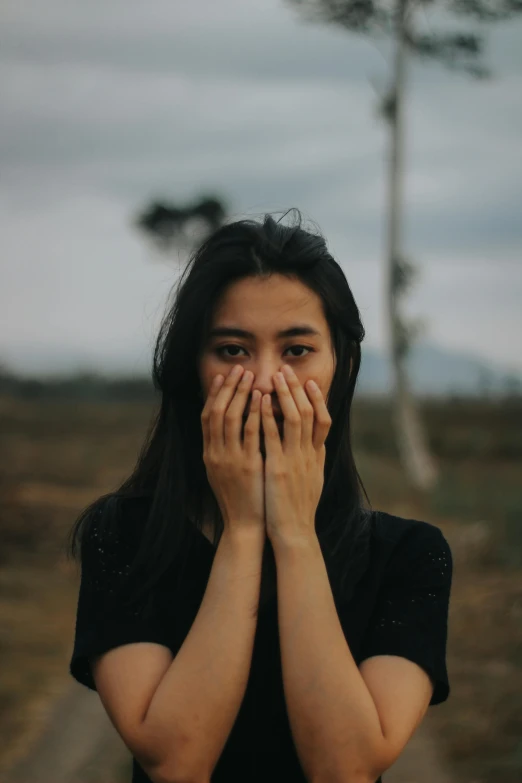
(242,615)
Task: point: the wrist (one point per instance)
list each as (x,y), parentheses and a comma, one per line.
(244,534)
(283,542)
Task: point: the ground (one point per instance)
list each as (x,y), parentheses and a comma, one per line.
(57,458)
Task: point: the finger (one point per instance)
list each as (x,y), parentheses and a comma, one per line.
(323,419)
(292,418)
(251,436)
(221,402)
(205,413)
(234,412)
(270,429)
(302,404)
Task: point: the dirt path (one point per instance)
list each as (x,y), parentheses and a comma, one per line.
(420,761)
(77,745)
(80,745)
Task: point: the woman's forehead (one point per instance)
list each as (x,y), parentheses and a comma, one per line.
(275,303)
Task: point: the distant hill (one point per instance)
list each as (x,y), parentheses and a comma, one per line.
(438,371)
(434,371)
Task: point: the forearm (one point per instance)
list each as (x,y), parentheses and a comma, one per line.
(196,703)
(333,717)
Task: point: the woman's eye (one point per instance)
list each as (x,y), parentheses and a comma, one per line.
(223,348)
(299,347)
(221,351)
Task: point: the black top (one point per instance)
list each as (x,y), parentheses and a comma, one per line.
(399,606)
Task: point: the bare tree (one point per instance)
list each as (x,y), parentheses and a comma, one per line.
(395,20)
(170,225)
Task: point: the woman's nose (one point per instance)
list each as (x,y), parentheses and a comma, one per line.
(264,381)
(264,378)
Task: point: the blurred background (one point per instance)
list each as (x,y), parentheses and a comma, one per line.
(129,131)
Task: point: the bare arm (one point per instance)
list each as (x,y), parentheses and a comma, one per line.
(177,719)
(176,715)
(345,727)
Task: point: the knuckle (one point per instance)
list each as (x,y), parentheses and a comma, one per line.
(229,466)
(248,468)
(213,458)
(279,471)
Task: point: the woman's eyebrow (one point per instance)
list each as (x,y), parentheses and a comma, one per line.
(293,331)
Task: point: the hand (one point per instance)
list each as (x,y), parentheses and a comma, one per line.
(234,467)
(294,468)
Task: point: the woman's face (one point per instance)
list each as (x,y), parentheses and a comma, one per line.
(263,308)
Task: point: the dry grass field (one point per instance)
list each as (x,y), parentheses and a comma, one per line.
(56,456)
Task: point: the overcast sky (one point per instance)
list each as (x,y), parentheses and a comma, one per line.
(108,103)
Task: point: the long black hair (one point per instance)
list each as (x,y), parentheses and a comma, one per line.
(170,471)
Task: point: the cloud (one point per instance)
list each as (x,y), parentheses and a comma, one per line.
(106,105)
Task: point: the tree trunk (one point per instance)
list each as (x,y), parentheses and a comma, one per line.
(412,444)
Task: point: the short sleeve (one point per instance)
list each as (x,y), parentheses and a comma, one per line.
(411,614)
(103,620)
